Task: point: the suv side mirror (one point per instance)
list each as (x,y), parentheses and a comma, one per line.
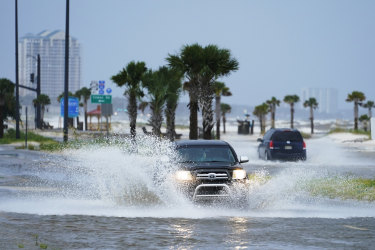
(244,159)
(259,140)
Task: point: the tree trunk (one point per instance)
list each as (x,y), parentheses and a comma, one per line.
(273,115)
(312,120)
(355,115)
(85,108)
(261,124)
(218,113)
(292,115)
(170,114)
(207,114)
(132,109)
(1,121)
(156,120)
(193,106)
(224,121)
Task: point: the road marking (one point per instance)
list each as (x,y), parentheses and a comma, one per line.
(356,228)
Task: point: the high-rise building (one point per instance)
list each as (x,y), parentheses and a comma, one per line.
(327,98)
(50,45)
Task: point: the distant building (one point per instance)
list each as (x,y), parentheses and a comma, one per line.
(327,98)
(50,45)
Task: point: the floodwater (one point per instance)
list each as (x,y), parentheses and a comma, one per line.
(106,197)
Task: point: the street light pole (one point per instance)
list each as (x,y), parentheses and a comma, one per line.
(66,87)
(39,125)
(17,80)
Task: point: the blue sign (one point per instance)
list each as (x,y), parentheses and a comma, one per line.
(101,91)
(108,90)
(73,107)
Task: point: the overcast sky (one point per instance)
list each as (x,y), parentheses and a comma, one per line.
(281,46)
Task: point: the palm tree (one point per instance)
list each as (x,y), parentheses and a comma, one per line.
(272,104)
(189,62)
(7,102)
(217,63)
(313,104)
(357,97)
(85,94)
(369,105)
(225,109)
(131,78)
(261,111)
(174,87)
(291,100)
(43,100)
(364,120)
(220,90)
(70,120)
(155,83)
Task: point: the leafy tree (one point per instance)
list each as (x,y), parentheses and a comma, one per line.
(356,97)
(85,94)
(155,83)
(261,111)
(364,119)
(369,105)
(174,87)
(70,120)
(190,62)
(225,109)
(131,77)
(7,102)
(202,67)
(217,63)
(291,100)
(220,90)
(43,100)
(272,104)
(312,104)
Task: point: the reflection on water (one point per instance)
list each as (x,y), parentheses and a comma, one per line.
(238,238)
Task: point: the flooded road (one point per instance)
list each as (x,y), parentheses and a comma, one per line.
(103,198)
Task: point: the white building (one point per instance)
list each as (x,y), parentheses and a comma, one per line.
(50,45)
(327,98)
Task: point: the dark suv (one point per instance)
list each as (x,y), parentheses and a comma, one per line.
(282,144)
(209,169)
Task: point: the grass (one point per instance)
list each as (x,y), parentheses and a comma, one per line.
(344,130)
(343,187)
(10,137)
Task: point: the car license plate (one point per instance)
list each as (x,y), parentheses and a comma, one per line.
(288,147)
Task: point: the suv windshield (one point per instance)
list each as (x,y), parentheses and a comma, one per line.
(206,154)
(287,136)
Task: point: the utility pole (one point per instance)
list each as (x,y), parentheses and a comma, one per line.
(66,87)
(39,124)
(17,80)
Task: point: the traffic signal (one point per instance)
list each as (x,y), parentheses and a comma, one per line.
(32,77)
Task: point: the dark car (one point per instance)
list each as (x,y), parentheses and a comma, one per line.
(282,144)
(209,169)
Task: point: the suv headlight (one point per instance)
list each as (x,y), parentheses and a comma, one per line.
(239,174)
(184,176)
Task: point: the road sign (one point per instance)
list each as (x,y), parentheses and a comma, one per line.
(73,107)
(107,109)
(101,98)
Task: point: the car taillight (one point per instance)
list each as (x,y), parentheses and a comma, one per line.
(304,145)
(271,145)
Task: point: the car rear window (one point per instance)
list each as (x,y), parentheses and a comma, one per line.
(292,136)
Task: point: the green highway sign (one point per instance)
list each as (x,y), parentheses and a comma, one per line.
(101,99)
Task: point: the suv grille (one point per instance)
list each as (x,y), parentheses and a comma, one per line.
(212,176)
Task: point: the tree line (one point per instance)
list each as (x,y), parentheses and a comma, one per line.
(269,106)
(194,69)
